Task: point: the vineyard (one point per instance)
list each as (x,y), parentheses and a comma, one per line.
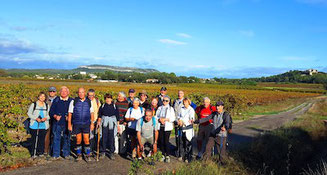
(16,96)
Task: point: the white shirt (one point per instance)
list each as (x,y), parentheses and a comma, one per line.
(136,113)
(186,115)
(71,107)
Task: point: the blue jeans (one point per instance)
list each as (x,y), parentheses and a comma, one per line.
(60,133)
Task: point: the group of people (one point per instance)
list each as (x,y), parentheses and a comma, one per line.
(131,126)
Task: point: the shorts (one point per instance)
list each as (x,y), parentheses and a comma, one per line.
(131,132)
(84,129)
(147,140)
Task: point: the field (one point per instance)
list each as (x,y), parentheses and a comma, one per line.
(241,101)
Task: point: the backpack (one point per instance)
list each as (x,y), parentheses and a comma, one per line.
(226,114)
(105,103)
(131,108)
(153,122)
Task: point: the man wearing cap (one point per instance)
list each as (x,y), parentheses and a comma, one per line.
(222,124)
(51,96)
(163,92)
(144,100)
(131,96)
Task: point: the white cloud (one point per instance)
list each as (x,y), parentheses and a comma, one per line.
(184,35)
(170,41)
(247,33)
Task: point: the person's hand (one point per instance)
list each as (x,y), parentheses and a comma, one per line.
(92,127)
(98,124)
(57,117)
(66,118)
(223,128)
(180,123)
(162,120)
(141,147)
(191,121)
(70,127)
(125,123)
(43,119)
(118,129)
(38,120)
(132,119)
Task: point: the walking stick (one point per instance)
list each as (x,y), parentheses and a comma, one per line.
(98,143)
(36,140)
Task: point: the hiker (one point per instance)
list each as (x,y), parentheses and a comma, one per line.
(154,105)
(52,94)
(122,105)
(163,92)
(178,105)
(108,115)
(80,122)
(222,125)
(166,116)
(147,133)
(59,114)
(202,112)
(144,100)
(131,96)
(185,130)
(132,115)
(38,112)
(96,105)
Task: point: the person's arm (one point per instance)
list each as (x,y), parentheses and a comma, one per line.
(53,109)
(70,112)
(127,115)
(30,112)
(156,135)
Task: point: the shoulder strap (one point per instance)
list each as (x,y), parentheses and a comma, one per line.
(46,106)
(130,111)
(141,109)
(154,122)
(75,101)
(141,120)
(34,107)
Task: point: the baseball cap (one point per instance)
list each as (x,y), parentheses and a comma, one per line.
(52,88)
(131,90)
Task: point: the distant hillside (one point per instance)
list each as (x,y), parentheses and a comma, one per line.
(88,69)
(296,76)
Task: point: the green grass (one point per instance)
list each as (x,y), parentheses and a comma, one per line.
(17,157)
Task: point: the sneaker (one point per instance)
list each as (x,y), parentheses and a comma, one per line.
(55,158)
(111,157)
(180,159)
(67,157)
(88,158)
(79,158)
(186,161)
(102,155)
(167,160)
(162,159)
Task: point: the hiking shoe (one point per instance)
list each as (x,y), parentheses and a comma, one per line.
(79,158)
(102,155)
(167,160)
(88,158)
(180,159)
(67,157)
(111,157)
(186,161)
(55,158)
(162,159)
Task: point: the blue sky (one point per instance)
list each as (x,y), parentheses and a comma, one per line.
(218,38)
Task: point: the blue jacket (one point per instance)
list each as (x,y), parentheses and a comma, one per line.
(59,107)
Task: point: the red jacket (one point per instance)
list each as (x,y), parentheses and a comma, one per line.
(203,112)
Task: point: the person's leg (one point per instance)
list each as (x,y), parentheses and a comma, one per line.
(183,146)
(133,145)
(111,141)
(66,143)
(86,139)
(222,148)
(166,140)
(47,141)
(33,139)
(56,130)
(41,141)
(122,140)
(209,146)
(162,140)
(79,145)
(200,140)
(105,133)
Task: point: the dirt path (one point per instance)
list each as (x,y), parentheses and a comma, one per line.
(242,132)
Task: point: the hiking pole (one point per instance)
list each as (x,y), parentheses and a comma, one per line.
(36,140)
(98,143)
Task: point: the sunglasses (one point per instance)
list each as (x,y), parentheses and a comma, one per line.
(165,100)
(52,91)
